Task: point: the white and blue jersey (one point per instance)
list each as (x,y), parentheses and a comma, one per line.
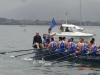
(53,46)
(84,49)
(47,41)
(62,47)
(94,50)
(72,47)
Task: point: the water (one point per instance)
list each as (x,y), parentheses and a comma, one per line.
(13,37)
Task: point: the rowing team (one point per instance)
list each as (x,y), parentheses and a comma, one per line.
(63,46)
(79,48)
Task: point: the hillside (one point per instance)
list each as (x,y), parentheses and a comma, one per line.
(4,21)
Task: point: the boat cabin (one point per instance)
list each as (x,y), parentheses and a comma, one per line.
(70,28)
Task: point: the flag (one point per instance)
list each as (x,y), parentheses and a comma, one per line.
(53,24)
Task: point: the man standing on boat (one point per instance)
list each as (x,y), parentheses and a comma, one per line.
(37,41)
(48,37)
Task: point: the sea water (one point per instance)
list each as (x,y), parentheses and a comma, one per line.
(15,37)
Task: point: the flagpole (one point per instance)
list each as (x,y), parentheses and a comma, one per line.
(80,12)
(66,17)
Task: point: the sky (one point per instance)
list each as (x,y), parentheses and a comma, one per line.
(49,9)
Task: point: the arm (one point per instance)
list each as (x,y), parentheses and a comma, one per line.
(68,46)
(53,35)
(40,40)
(33,39)
(58,45)
(49,46)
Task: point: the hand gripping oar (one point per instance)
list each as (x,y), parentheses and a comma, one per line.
(15,51)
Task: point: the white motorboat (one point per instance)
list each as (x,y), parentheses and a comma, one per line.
(74,32)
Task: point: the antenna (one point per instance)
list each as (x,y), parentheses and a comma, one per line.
(80,12)
(66,17)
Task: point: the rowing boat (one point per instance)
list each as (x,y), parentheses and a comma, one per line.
(48,55)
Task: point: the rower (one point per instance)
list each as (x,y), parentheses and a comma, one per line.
(79,46)
(84,47)
(53,45)
(93,48)
(61,45)
(71,46)
(89,44)
(64,39)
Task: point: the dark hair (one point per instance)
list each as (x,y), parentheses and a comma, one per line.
(52,39)
(93,39)
(63,38)
(82,39)
(49,29)
(60,38)
(72,39)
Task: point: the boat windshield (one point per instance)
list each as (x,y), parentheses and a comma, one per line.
(69,29)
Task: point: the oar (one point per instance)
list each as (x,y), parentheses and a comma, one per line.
(15,51)
(39,55)
(62,58)
(46,55)
(22,54)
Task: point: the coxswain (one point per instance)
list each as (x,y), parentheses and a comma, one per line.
(37,41)
(52,45)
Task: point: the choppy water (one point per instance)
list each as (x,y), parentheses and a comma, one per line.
(17,38)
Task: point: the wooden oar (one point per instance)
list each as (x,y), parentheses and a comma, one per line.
(56,60)
(41,55)
(15,51)
(22,54)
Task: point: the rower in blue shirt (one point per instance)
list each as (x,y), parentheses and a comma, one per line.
(71,46)
(84,49)
(53,45)
(93,48)
(61,45)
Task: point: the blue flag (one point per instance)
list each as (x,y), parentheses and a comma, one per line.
(53,24)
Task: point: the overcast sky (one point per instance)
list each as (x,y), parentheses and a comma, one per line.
(48,9)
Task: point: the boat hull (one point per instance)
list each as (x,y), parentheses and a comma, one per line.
(58,56)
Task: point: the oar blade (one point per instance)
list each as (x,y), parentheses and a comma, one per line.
(3,52)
